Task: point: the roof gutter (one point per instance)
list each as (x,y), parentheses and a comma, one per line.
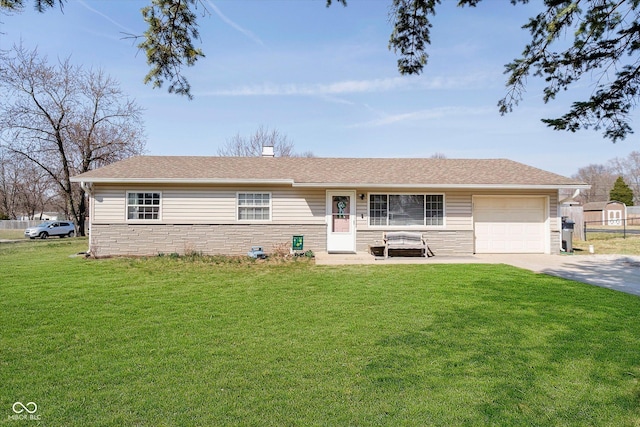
(447,186)
(182,181)
(570,199)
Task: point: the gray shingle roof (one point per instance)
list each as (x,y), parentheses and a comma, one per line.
(311,171)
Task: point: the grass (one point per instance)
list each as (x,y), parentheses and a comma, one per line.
(12,234)
(608,243)
(198,341)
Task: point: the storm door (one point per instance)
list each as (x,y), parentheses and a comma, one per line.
(341,221)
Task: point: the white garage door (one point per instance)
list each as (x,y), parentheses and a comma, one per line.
(510,224)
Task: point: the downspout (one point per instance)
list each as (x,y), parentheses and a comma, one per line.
(87,188)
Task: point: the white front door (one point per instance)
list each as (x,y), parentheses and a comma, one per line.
(341,221)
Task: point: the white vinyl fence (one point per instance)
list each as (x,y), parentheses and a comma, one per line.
(12,224)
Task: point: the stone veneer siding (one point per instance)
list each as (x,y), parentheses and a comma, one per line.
(556,241)
(212,239)
(444,242)
(208,239)
(441,242)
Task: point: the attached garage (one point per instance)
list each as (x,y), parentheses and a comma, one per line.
(510,224)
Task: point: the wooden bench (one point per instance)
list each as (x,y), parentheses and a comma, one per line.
(403,240)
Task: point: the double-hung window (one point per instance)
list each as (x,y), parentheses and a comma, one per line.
(143,205)
(254,206)
(434,209)
(406,210)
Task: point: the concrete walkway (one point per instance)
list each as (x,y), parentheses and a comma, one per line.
(618,272)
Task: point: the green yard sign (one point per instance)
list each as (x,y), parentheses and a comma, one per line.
(298,243)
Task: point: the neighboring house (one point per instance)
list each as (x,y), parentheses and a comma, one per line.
(225,205)
(605,213)
(43,216)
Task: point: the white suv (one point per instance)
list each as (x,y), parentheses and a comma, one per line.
(51,228)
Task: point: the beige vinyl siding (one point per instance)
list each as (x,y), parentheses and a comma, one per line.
(362,211)
(109,205)
(457,209)
(189,206)
(459,206)
(555,223)
(457,236)
(205,205)
(295,206)
(554,219)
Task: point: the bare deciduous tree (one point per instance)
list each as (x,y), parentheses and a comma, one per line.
(36,193)
(9,182)
(601,179)
(629,169)
(240,146)
(66,120)
(25,190)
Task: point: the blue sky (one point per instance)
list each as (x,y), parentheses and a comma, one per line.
(325,78)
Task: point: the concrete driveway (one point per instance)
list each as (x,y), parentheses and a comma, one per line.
(618,272)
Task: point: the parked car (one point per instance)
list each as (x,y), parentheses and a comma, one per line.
(51,228)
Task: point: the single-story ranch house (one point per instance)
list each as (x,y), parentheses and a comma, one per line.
(148,205)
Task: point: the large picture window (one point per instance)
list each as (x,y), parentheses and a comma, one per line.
(254,206)
(143,206)
(406,210)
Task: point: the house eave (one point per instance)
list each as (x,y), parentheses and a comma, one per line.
(184,181)
(446,186)
(354,185)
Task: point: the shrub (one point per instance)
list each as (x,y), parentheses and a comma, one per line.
(281,250)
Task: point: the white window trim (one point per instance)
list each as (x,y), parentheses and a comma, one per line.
(126,206)
(403,227)
(254,220)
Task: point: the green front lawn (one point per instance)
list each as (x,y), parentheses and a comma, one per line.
(12,234)
(202,342)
